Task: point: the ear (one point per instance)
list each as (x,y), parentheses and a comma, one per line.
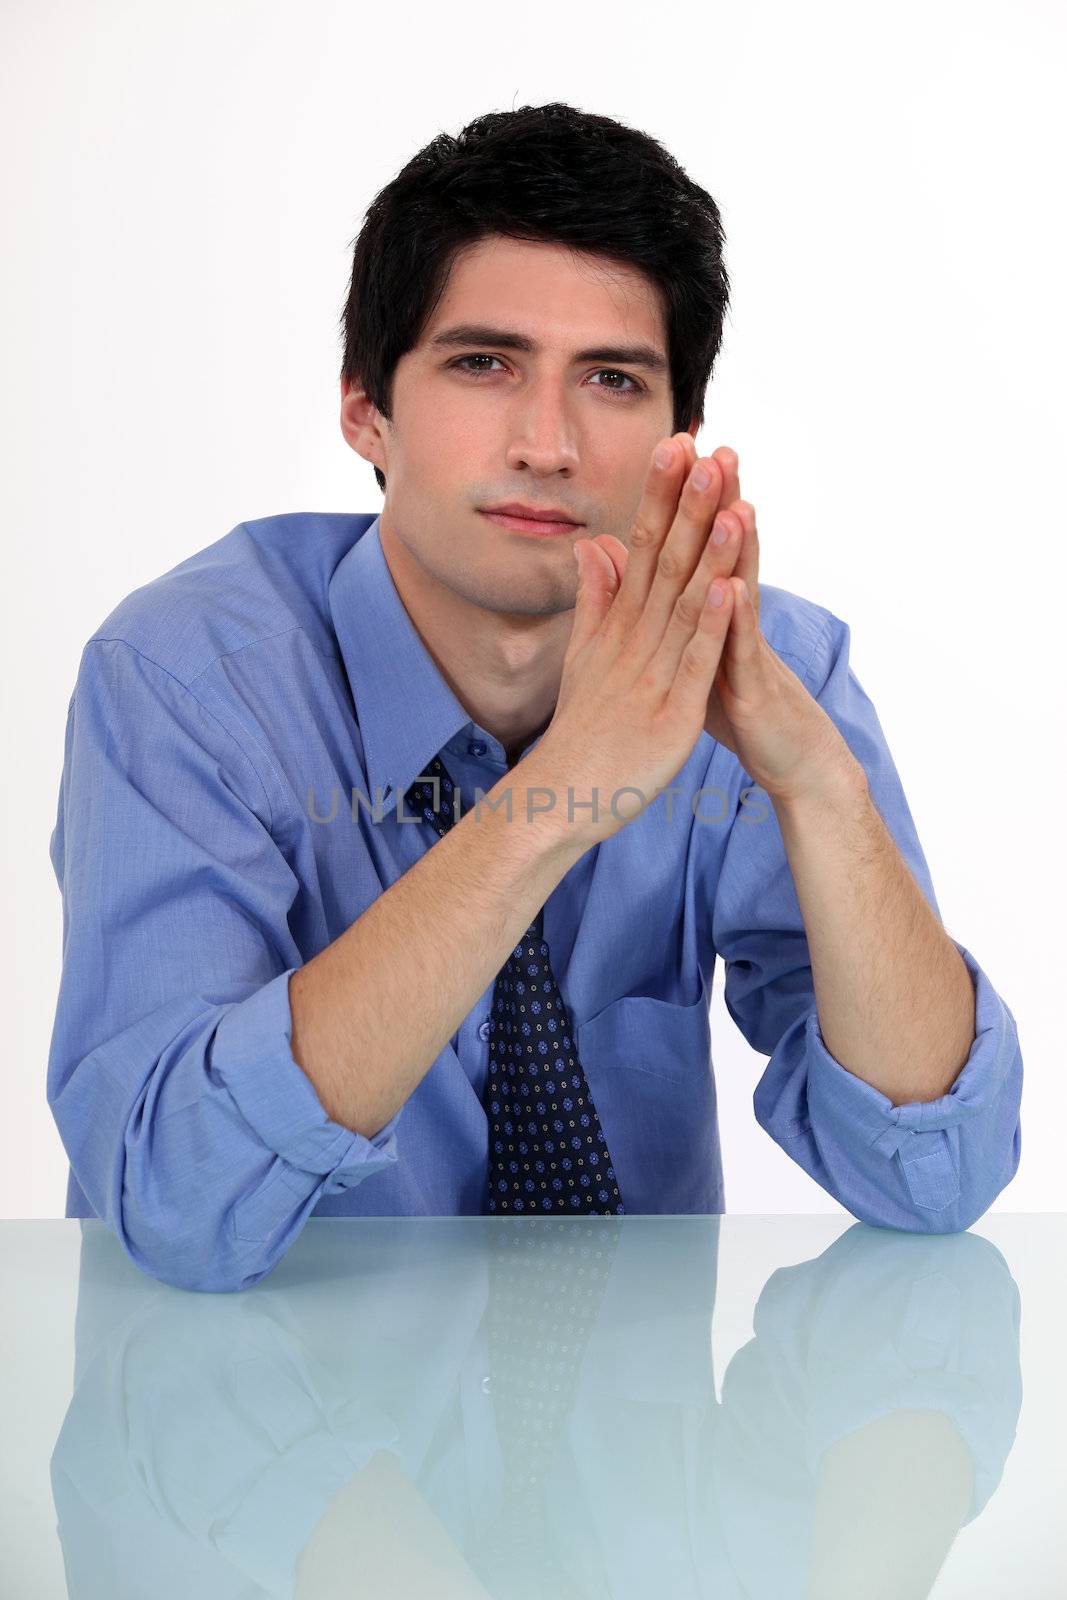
(362,424)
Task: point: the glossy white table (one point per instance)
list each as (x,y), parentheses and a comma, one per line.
(655,1407)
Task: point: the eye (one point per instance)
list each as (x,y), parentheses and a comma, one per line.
(635,385)
(462,359)
(615,373)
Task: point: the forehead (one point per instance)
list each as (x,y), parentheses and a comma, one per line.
(558,295)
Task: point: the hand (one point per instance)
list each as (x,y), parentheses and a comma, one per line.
(641,659)
(757,707)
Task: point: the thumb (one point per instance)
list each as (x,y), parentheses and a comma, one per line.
(597,583)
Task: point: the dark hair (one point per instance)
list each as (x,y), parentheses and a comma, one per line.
(546,173)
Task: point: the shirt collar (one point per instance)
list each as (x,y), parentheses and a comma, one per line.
(407,712)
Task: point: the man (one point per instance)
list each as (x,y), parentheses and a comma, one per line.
(396,851)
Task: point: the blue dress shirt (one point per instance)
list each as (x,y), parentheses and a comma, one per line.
(238,744)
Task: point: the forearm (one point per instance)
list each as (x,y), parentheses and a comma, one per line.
(372,1012)
(894,997)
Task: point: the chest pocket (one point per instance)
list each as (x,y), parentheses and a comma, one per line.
(648,1062)
(644,1034)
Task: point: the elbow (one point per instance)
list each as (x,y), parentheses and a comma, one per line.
(212,1234)
(197,1196)
(205,1259)
(949,1219)
(984,1183)
(960,1206)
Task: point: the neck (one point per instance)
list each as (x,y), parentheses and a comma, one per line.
(503,667)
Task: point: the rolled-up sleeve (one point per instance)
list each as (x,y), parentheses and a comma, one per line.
(190,1126)
(926,1167)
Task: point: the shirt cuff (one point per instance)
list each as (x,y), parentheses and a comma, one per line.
(252,1054)
(927,1134)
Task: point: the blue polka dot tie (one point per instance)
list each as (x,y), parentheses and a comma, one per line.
(547,1150)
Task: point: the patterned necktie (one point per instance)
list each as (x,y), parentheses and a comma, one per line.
(547,1150)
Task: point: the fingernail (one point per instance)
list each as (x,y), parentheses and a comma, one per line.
(700,477)
(720,532)
(664,456)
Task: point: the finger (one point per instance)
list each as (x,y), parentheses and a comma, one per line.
(608,577)
(748,557)
(747,564)
(677,560)
(665,488)
(728,461)
(597,584)
(615,551)
(683,548)
(689,445)
(716,563)
(741,652)
(699,661)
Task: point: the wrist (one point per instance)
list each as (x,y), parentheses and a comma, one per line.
(550,809)
(840,783)
(533,805)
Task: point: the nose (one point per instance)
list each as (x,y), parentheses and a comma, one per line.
(542,433)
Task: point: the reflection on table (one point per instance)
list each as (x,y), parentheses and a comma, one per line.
(527,1407)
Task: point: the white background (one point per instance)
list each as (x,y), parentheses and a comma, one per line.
(181,188)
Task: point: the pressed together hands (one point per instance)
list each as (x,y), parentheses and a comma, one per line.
(648,666)
(666,642)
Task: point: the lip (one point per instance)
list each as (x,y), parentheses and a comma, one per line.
(543,527)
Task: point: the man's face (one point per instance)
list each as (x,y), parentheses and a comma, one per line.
(476,422)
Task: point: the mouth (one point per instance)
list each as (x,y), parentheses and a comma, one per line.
(540,527)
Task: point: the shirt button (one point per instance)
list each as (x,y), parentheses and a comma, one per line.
(477,747)
(483,1029)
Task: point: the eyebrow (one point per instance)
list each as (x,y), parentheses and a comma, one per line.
(630,355)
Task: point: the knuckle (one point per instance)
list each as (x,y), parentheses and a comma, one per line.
(643,534)
(692,663)
(687,608)
(669,565)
